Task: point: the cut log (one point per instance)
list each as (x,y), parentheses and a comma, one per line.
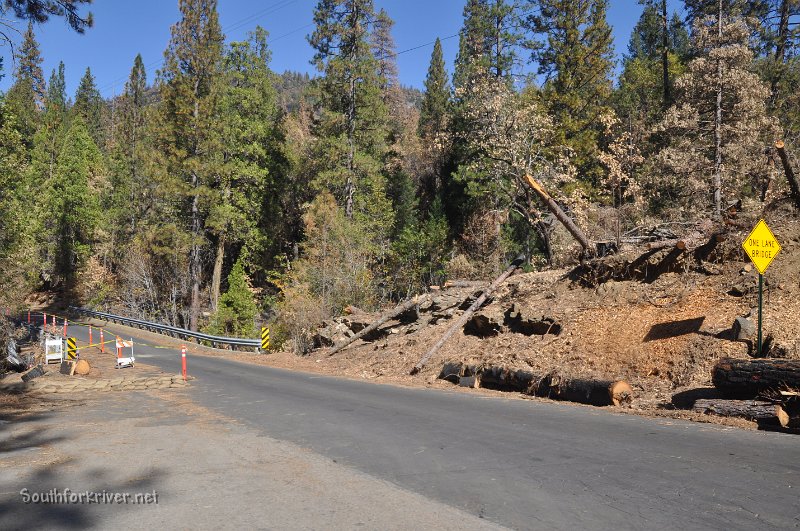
(749,409)
(503,379)
(468,313)
(562,216)
(381,320)
(585,391)
(787,169)
(552,385)
(747,378)
(464,284)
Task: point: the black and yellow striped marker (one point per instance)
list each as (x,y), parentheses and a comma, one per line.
(264,338)
(72,349)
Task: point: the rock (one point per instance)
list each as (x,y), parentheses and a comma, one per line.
(82,367)
(66,367)
(743,328)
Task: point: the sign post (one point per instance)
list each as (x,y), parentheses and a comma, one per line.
(762,247)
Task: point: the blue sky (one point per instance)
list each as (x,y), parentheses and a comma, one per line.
(124,28)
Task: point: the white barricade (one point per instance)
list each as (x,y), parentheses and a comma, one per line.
(53,349)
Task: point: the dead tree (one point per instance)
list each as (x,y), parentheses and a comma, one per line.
(468,313)
(382,319)
(743,378)
(562,216)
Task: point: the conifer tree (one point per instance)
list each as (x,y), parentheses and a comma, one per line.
(47,140)
(27,95)
(435,103)
(236,313)
(72,204)
(246,211)
(187,133)
(353,125)
(16,223)
(89,106)
(643,77)
(132,193)
(574,54)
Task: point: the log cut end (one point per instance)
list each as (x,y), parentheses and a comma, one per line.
(779,144)
(783,417)
(620,393)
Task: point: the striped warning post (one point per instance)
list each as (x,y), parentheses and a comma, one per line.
(72,349)
(264,338)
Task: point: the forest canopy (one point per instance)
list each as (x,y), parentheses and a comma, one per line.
(221,195)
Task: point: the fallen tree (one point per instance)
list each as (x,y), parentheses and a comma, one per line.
(398,310)
(596,392)
(749,409)
(748,378)
(468,313)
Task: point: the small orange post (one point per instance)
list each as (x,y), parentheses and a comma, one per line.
(44,320)
(90,334)
(65,327)
(183,361)
(102,343)
(119,347)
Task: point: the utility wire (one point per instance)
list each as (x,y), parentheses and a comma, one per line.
(233,27)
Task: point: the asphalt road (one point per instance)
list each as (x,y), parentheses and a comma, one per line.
(521,464)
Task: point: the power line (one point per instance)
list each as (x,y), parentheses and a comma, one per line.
(233,27)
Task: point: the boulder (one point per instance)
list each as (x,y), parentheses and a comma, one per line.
(82,367)
(743,328)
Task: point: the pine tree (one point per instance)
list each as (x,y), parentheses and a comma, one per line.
(27,95)
(235,316)
(132,193)
(47,140)
(575,56)
(16,224)
(187,133)
(353,125)
(644,79)
(72,202)
(89,106)
(246,210)
(435,104)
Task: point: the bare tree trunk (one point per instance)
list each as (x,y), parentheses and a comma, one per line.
(665,54)
(216,278)
(573,229)
(783,29)
(349,187)
(718,128)
(195,264)
(468,313)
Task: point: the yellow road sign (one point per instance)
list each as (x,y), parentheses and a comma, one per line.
(264,338)
(761,246)
(72,350)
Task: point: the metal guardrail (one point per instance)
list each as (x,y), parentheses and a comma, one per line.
(169,330)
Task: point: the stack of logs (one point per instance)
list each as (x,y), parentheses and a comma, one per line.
(550,385)
(764,390)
